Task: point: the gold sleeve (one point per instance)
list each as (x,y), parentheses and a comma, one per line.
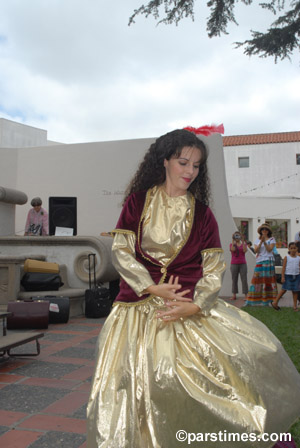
(123,259)
(208,287)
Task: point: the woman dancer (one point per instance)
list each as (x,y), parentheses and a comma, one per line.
(173,359)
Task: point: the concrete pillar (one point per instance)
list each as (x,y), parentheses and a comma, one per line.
(8,200)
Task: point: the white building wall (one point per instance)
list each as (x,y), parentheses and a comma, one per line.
(268,189)
(17,135)
(7,219)
(97,174)
(268,163)
(8,167)
(259,209)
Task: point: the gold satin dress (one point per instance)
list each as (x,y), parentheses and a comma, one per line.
(221,370)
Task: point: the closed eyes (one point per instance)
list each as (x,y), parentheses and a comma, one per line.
(184,164)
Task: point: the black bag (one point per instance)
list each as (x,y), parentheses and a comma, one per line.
(39,281)
(277,260)
(59,308)
(97,298)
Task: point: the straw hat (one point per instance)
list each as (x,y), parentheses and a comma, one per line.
(264,226)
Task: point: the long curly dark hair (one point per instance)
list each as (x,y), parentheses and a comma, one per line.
(152,172)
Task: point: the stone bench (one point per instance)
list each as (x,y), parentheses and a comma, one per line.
(71,253)
(10,274)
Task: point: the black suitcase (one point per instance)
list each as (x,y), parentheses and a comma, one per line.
(39,281)
(97,298)
(59,308)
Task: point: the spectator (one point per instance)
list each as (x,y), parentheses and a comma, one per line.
(37,219)
(238,266)
(263,289)
(290,277)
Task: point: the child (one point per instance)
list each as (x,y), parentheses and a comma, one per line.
(290,276)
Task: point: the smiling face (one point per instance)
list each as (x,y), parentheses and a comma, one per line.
(293,250)
(182,171)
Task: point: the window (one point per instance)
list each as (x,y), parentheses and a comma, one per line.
(244,162)
(244,229)
(297,159)
(280,231)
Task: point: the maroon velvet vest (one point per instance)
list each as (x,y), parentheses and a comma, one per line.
(187,265)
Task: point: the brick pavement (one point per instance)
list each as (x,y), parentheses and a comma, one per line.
(43,399)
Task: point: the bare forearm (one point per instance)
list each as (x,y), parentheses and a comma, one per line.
(269,247)
(257,248)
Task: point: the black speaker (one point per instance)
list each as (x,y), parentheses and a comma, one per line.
(62,213)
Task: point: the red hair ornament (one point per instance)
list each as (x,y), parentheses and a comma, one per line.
(206,130)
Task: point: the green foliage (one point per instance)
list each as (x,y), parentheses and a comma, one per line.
(281,40)
(285,324)
(175,10)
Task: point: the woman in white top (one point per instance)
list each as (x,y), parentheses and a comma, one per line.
(290,276)
(263,289)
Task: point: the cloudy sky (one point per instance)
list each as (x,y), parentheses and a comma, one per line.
(75,68)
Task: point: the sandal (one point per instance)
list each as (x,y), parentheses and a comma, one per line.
(276,307)
(296,309)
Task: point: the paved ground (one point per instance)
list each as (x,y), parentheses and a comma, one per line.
(43,399)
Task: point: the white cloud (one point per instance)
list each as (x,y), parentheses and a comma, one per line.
(77,70)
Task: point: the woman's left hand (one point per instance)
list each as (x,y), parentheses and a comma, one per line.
(177,309)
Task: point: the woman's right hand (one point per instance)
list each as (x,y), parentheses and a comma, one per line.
(169,291)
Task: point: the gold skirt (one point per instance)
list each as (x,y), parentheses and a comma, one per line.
(226,372)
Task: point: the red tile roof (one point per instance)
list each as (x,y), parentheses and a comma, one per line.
(261,139)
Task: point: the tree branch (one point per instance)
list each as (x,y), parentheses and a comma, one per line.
(175,10)
(279,41)
(221,14)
